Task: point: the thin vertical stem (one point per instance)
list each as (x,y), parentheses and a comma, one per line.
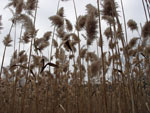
(5,51)
(79,48)
(145,10)
(30,53)
(20,38)
(54,29)
(2,61)
(102,56)
(126,34)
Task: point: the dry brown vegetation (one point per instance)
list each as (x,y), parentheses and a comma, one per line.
(73,79)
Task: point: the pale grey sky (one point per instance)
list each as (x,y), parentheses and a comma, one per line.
(47,8)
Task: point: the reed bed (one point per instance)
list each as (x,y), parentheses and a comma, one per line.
(73,78)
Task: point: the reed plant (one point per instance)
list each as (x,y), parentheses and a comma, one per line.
(73,78)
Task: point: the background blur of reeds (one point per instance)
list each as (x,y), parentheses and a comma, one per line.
(60,73)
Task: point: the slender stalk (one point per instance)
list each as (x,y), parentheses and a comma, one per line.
(3,61)
(30,53)
(54,29)
(5,51)
(145,10)
(126,34)
(15,36)
(20,38)
(79,48)
(102,56)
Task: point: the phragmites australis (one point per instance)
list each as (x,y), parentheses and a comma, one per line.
(7,40)
(119,33)
(57,20)
(132,25)
(112,44)
(31,4)
(19,6)
(28,24)
(41,44)
(60,12)
(91,56)
(25,38)
(13,3)
(108,33)
(146,30)
(109,19)
(68,25)
(91,24)
(83,53)
(80,24)
(54,43)
(95,67)
(109,8)
(22,57)
(47,35)
(133,42)
(91,9)
(91,29)
(61,33)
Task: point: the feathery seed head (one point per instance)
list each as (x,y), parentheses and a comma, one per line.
(95,67)
(47,35)
(146,30)
(19,6)
(132,25)
(68,25)
(25,38)
(57,20)
(80,24)
(28,24)
(7,40)
(61,12)
(133,42)
(61,33)
(91,9)
(109,8)
(54,42)
(91,28)
(31,4)
(119,33)
(108,33)
(108,18)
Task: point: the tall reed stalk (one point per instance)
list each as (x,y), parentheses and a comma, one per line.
(102,56)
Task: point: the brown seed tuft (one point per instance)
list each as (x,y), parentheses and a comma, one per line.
(133,42)
(91,9)
(57,21)
(109,8)
(31,4)
(61,12)
(7,40)
(108,33)
(132,25)
(146,30)
(80,24)
(91,28)
(68,25)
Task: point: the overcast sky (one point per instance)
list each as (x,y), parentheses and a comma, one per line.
(47,8)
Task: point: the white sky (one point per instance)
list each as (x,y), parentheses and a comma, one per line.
(47,8)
